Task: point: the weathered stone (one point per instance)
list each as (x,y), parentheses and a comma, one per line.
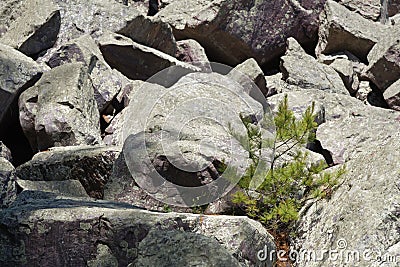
(92,166)
(107,82)
(369,9)
(352,220)
(158,120)
(68,188)
(345,68)
(302,71)
(342,30)
(253,73)
(274,84)
(8,190)
(151,32)
(192,52)
(241,30)
(134,237)
(63,112)
(134,60)
(17,73)
(94,17)
(5,152)
(384,67)
(392,96)
(31,26)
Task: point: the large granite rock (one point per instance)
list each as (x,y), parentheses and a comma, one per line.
(250,72)
(29,190)
(302,71)
(233,31)
(94,17)
(136,61)
(5,152)
(369,9)
(152,32)
(76,232)
(91,166)
(338,133)
(384,59)
(60,109)
(30,26)
(208,104)
(107,82)
(192,52)
(18,72)
(362,215)
(8,191)
(342,30)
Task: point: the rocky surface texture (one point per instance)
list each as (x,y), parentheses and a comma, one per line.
(81,94)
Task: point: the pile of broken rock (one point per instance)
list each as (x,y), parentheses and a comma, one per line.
(70,71)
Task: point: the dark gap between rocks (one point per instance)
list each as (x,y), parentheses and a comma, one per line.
(316,147)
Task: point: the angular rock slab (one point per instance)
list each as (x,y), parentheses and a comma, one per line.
(94,17)
(182,137)
(342,30)
(362,216)
(369,9)
(136,61)
(68,188)
(8,191)
(253,73)
(107,82)
(133,237)
(233,31)
(91,166)
(32,26)
(384,68)
(392,96)
(60,110)
(151,32)
(346,118)
(5,152)
(192,52)
(17,73)
(302,71)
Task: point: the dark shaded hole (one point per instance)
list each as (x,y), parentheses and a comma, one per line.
(316,147)
(11,132)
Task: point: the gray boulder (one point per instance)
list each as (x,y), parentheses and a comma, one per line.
(348,67)
(210,104)
(5,152)
(107,82)
(8,190)
(192,52)
(369,9)
(118,235)
(18,72)
(361,217)
(65,189)
(91,166)
(60,109)
(342,30)
(151,32)
(392,96)
(302,71)
(384,59)
(94,17)
(136,61)
(233,31)
(31,26)
(249,72)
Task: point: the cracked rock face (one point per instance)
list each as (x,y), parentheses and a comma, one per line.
(60,110)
